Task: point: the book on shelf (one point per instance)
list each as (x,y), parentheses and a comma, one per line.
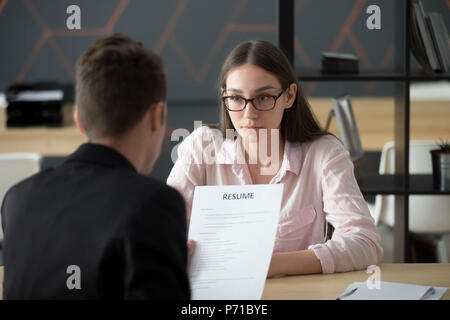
(416,44)
(440,38)
(424,36)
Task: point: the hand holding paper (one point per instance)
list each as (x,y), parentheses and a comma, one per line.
(234,231)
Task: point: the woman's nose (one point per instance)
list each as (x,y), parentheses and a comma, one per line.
(250,111)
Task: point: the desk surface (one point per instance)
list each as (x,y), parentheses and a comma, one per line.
(47,141)
(330,286)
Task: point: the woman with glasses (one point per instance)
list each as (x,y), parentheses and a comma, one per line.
(268,134)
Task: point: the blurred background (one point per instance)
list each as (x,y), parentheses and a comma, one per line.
(194,37)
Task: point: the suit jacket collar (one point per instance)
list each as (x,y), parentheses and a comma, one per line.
(102,155)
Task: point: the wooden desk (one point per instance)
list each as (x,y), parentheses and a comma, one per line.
(58,141)
(46,141)
(330,286)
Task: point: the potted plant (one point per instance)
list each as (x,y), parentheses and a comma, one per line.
(440,159)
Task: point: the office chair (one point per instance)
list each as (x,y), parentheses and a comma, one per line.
(14,167)
(429,215)
(348,129)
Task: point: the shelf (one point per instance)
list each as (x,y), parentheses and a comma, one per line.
(420,75)
(389,184)
(423,184)
(372,184)
(305,74)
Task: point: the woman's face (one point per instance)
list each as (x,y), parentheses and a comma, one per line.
(250,81)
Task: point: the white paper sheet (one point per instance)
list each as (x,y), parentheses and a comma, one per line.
(392,291)
(234,228)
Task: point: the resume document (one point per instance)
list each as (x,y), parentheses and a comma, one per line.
(234,228)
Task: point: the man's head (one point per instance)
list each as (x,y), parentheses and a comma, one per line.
(121,90)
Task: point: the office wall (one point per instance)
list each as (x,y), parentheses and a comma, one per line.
(194,37)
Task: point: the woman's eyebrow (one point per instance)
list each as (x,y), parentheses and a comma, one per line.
(264,88)
(257,90)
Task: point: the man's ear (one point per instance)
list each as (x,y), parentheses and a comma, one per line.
(157,115)
(76,117)
(291,94)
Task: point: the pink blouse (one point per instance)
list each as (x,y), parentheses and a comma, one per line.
(319,186)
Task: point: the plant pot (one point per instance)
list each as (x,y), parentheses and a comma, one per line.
(441,169)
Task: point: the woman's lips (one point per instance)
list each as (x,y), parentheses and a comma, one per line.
(252,127)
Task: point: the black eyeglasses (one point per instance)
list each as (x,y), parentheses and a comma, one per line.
(262,103)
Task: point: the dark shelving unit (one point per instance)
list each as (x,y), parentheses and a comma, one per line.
(419,184)
(423,184)
(308,74)
(420,75)
(373,184)
(401,184)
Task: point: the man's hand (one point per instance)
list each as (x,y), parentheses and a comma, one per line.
(191,248)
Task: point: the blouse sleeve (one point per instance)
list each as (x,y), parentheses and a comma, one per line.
(188,170)
(355,243)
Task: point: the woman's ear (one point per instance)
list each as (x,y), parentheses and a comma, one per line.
(291,94)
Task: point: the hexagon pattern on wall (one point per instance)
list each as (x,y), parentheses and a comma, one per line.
(169,38)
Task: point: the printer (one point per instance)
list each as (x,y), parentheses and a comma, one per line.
(39,104)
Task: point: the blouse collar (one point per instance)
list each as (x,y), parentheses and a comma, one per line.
(232,153)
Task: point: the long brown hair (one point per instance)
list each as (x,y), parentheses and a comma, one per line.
(298,123)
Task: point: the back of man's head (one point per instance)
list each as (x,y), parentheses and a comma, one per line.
(117,81)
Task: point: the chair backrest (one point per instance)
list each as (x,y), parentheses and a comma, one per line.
(427,213)
(14,167)
(348,129)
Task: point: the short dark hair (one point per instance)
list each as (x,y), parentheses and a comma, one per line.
(298,123)
(117,80)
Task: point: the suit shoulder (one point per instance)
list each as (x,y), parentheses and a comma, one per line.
(151,185)
(154,190)
(157,203)
(27,182)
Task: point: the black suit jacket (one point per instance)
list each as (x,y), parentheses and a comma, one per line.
(96,222)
